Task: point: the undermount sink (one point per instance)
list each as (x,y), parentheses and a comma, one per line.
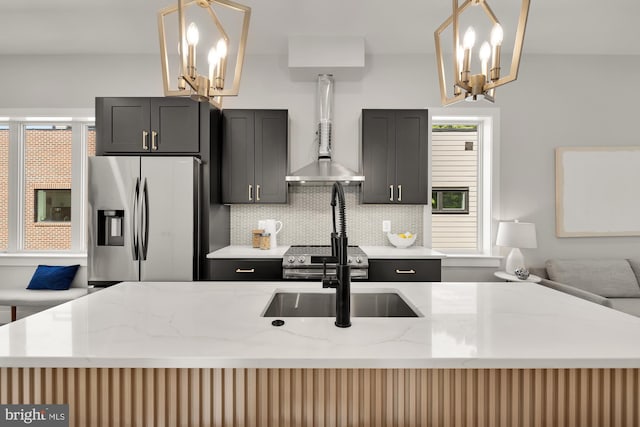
(316,304)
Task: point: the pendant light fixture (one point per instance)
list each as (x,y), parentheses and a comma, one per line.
(213,85)
(470,84)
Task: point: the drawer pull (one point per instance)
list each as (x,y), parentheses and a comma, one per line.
(245,270)
(412,271)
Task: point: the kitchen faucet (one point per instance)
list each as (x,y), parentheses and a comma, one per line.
(339,245)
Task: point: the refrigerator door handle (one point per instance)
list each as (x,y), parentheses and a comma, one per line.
(134,221)
(145,220)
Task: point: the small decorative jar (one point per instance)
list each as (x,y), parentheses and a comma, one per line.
(257,235)
(265,241)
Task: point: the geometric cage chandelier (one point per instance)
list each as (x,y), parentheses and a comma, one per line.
(211,85)
(468,85)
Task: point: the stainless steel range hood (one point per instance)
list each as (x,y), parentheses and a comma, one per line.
(324,169)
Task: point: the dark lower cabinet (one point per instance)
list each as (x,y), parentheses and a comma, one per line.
(405,270)
(245,269)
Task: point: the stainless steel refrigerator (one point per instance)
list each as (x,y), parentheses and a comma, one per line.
(144,222)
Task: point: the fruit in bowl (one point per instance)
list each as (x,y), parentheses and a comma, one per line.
(402,240)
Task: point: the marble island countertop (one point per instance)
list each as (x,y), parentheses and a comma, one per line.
(376,252)
(219,325)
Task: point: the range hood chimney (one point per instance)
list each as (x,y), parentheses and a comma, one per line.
(324,170)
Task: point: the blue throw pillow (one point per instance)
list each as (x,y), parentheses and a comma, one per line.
(54,277)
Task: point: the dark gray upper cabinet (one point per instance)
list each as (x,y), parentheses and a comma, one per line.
(147,125)
(254,156)
(395,155)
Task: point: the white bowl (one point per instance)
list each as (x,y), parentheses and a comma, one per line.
(400,242)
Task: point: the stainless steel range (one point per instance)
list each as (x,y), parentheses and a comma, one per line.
(306,262)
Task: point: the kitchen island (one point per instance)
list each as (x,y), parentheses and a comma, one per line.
(201,354)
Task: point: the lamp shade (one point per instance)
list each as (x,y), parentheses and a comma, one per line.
(517,235)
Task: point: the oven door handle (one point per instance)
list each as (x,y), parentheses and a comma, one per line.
(315,273)
(290,273)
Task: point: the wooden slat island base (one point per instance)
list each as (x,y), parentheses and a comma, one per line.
(110,397)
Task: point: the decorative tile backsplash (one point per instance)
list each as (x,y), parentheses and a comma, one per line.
(307,218)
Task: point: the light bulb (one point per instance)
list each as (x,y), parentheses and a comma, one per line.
(213,63)
(222,48)
(213,56)
(469,38)
(193,36)
(460,57)
(496,35)
(485,52)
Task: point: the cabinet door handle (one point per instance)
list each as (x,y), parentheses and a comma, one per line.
(412,271)
(258,192)
(245,270)
(250,192)
(391,193)
(154,140)
(145,137)
(399,193)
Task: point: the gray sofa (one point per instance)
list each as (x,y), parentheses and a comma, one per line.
(614,283)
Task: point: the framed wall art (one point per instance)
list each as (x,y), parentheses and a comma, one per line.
(597,191)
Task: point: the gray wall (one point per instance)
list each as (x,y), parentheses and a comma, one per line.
(73,81)
(554,103)
(563,101)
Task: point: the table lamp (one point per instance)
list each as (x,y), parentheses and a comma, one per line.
(516,235)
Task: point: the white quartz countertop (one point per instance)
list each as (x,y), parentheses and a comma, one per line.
(246,251)
(377,252)
(219,325)
(391,252)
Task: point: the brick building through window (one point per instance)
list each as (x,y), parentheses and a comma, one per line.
(46,184)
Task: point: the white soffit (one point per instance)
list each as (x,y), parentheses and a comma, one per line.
(342,56)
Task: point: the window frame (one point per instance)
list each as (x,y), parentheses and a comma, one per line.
(80,126)
(488,122)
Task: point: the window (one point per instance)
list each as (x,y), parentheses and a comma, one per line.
(45,160)
(4,187)
(456,182)
(47,164)
(52,205)
(91,141)
(450,200)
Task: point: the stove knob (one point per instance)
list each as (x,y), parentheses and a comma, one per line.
(302,259)
(350,260)
(291,259)
(358,260)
